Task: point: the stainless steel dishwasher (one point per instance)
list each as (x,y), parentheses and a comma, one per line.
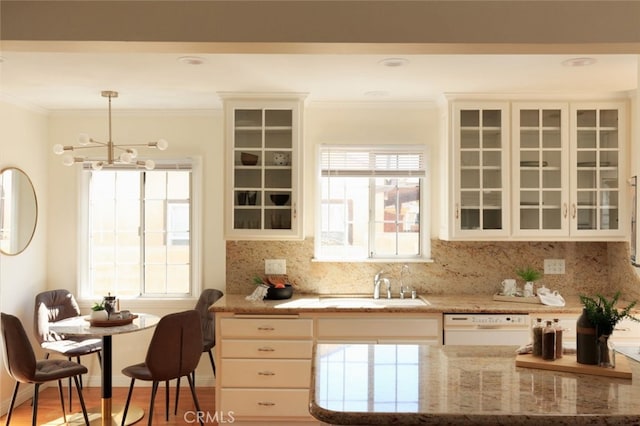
(486,329)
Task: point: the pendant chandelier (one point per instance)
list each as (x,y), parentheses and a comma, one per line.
(116,154)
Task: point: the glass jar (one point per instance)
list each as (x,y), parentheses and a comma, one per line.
(549,342)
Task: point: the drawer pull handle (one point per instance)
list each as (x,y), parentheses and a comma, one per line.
(266,328)
(266,349)
(266,373)
(266,403)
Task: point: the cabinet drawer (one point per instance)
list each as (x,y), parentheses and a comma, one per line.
(266,327)
(233,348)
(276,373)
(379,328)
(272,403)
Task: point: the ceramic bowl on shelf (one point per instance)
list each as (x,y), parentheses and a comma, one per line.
(279,199)
(248,159)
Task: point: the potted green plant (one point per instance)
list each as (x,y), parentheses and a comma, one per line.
(529,274)
(596,325)
(98,312)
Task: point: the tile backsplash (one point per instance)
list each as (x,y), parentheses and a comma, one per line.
(457,267)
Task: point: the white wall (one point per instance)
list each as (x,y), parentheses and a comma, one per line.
(23,140)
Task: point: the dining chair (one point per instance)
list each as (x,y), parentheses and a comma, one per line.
(22,366)
(56,305)
(208,323)
(174,351)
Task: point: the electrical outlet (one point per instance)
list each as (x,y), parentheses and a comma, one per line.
(554,266)
(275,266)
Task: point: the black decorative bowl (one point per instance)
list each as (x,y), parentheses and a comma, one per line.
(279,293)
(279,199)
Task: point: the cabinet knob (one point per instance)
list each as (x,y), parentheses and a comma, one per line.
(266,403)
(573,211)
(266,349)
(457,211)
(564,210)
(266,328)
(266,373)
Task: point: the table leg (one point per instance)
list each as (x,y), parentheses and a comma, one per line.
(106,380)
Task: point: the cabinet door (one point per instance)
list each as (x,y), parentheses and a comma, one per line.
(598,169)
(263,146)
(540,169)
(481,152)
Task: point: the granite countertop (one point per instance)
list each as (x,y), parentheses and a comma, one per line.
(437,304)
(381,384)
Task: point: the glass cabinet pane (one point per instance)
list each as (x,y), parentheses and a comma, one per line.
(262,174)
(540,168)
(481,168)
(597,169)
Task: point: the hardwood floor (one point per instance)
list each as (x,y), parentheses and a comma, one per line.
(50,412)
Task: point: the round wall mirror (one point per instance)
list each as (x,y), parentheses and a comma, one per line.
(18,211)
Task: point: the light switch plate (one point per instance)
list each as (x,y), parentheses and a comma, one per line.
(275,266)
(553,266)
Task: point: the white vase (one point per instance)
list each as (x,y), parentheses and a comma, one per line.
(99,315)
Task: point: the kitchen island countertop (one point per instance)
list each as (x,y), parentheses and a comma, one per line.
(437,304)
(413,384)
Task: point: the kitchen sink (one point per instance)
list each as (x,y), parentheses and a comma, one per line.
(354,302)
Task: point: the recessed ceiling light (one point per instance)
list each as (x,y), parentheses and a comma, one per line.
(376,93)
(191,60)
(394,62)
(579,62)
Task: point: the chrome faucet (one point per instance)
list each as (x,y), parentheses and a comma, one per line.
(377,279)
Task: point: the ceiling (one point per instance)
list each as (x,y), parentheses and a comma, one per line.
(70,80)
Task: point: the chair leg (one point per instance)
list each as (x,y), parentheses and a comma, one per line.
(34,416)
(13,401)
(154,389)
(213,364)
(64,415)
(70,396)
(126,405)
(195,398)
(166,400)
(175,412)
(99,353)
(81,398)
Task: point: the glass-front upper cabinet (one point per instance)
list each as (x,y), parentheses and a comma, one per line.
(540,134)
(481,152)
(598,169)
(263,168)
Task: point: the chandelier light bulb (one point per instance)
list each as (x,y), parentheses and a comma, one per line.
(68,160)
(58,149)
(162,144)
(126,157)
(149,164)
(84,139)
(133,152)
(97,165)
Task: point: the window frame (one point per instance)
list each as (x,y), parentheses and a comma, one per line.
(195,284)
(425,209)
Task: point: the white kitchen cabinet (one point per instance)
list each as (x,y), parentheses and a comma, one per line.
(479,175)
(263,167)
(265,367)
(559,173)
(541,169)
(599,170)
(408,328)
(569,170)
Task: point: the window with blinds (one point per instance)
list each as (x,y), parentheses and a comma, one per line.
(370,203)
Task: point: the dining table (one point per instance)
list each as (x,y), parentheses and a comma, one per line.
(83,326)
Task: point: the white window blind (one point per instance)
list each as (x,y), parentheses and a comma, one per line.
(372,161)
